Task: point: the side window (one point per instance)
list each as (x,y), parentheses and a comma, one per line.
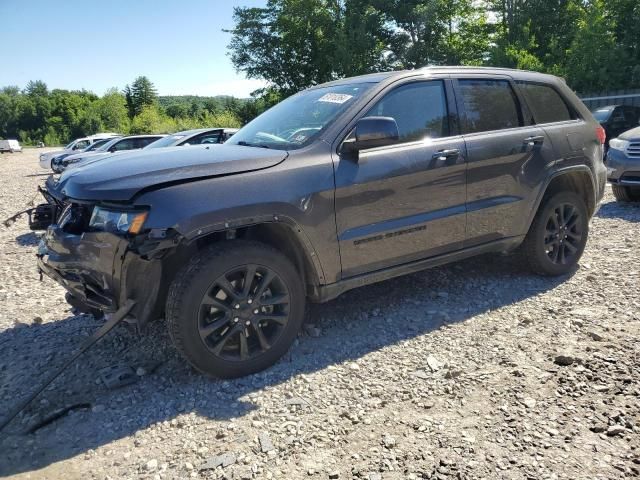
(489,105)
(126,144)
(618,115)
(206,138)
(632,115)
(419,109)
(547,104)
(81,145)
(143,142)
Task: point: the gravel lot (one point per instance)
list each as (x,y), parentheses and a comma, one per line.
(473,370)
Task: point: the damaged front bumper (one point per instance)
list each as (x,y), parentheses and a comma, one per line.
(102,270)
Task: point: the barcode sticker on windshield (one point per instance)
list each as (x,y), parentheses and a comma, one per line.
(335,97)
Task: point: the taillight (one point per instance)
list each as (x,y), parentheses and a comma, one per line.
(602,135)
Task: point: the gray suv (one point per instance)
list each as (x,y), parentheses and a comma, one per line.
(339,186)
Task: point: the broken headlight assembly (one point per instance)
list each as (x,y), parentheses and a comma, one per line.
(117,221)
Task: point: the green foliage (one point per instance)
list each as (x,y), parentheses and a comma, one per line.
(56,117)
(294,44)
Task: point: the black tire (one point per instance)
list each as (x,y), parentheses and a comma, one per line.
(625,193)
(558,253)
(196,294)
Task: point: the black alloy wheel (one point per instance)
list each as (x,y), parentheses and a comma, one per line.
(563,234)
(244,312)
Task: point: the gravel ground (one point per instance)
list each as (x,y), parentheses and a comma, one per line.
(473,370)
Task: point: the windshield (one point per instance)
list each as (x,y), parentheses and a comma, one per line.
(106,146)
(95,145)
(298,120)
(602,115)
(164,141)
(70,146)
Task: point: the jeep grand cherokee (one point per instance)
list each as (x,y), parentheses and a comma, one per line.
(341,185)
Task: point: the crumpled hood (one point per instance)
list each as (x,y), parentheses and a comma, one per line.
(120,177)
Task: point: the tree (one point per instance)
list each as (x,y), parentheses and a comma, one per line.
(141,93)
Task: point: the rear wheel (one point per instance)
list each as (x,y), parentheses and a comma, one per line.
(626,193)
(235,308)
(558,235)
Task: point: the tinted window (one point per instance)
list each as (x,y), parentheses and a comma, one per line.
(126,144)
(547,104)
(143,142)
(618,115)
(489,104)
(205,138)
(420,110)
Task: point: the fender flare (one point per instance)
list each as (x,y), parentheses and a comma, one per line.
(557,173)
(309,250)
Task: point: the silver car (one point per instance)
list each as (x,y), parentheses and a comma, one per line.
(623,166)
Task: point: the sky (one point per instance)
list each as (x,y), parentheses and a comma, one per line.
(97,45)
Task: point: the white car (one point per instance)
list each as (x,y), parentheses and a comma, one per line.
(116,145)
(10,146)
(78,145)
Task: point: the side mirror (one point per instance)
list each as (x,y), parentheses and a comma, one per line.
(371,132)
(112,148)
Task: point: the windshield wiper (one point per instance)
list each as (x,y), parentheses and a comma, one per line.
(249,144)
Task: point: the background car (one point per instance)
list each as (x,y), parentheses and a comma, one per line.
(119,144)
(10,146)
(617,119)
(91,148)
(623,166)
(198,136)
(78,145)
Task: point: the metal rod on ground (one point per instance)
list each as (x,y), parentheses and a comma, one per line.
(101,332)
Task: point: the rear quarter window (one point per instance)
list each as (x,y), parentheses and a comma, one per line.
(545,102)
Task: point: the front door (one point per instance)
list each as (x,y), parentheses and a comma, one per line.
(406,201)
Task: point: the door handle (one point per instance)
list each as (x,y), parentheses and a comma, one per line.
(533,141)
(442,155)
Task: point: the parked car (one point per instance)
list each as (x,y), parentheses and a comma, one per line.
(623,166)
(91,148)
(616,119)
(339,186)
(114,145)
(10,146)
(198,136)
(76,146)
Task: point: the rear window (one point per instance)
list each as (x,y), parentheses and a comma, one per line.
(602,115)
(489,105)
(546,104)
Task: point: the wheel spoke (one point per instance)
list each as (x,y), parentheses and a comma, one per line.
(554,253)
(280,318)
(561,256)
(244,348)
(264,343)
(574,236)
(222,341)
(267,278)
(208,329)
(249,275)
(560,212)
(215,302)
(572,249)
(275,300)
(227,288)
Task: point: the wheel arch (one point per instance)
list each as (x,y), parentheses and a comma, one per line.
(578,179)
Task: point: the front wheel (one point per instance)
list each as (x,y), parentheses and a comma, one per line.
(236,308)
(558,235)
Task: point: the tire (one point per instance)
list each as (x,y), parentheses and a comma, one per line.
(626,194)
(207,322)
(557,253)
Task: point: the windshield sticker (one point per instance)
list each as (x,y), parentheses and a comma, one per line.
(335,97)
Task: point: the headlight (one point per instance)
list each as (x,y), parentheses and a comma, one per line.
(117,221)
(618,144)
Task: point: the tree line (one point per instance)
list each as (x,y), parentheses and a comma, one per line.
(293,44)
(36,114)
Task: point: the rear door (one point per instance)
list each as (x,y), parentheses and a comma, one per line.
(506,157)
(405,201)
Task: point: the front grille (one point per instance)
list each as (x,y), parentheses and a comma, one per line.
(633,150)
